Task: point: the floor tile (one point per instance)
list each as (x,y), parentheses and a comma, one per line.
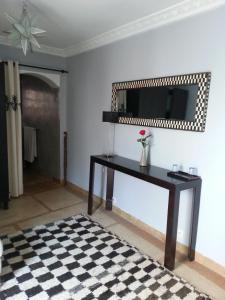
(57,198)
(200,282)
(40,187)
(21,209)
(8,230)
(145,246)
(55,215)
(103,218)
(33,177)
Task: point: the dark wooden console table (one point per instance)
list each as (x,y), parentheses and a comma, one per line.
(157,176)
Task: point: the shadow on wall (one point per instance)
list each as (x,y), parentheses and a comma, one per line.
(40,110)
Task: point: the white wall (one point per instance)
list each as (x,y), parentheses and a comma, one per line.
(192,45)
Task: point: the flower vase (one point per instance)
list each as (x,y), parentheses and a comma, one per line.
(144,157)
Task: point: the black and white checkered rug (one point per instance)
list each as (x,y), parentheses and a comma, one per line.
(77,258)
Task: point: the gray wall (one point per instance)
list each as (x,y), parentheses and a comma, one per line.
(195,44)
(35,58)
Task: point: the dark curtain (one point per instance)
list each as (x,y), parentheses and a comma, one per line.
(4,182)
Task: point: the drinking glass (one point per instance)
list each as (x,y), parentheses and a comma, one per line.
(193,171)
(175,167)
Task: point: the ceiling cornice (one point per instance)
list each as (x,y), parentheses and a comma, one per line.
(51,50)
(173,13)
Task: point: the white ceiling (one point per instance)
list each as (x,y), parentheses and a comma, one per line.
(69,22)
(74,26)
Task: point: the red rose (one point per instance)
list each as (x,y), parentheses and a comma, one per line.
(142,132)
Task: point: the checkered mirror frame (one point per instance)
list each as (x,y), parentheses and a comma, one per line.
(201,79)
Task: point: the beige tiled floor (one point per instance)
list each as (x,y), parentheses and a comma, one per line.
(137,240)
(53,215)
(20,209)
(53,199)
(47,203)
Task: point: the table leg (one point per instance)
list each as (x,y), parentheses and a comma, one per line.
(109,189)
(91,187)
(171,231)
(194,221)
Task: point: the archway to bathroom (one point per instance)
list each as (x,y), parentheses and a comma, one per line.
(41,131)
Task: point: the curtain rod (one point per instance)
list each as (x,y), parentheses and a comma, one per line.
(42,68)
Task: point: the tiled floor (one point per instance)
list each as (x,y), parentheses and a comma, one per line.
(46,202)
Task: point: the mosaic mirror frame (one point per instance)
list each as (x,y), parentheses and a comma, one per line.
(200,79)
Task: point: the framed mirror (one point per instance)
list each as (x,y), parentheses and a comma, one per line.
(175,102)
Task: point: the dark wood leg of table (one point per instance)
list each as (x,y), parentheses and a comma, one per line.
(91,187)
(171,231)
(109,189)
(194,221)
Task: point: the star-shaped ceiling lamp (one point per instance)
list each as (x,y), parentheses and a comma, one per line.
(23,31)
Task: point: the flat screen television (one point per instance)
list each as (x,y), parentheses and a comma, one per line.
(177,102)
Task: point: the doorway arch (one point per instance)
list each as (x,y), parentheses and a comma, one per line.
(40,110)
